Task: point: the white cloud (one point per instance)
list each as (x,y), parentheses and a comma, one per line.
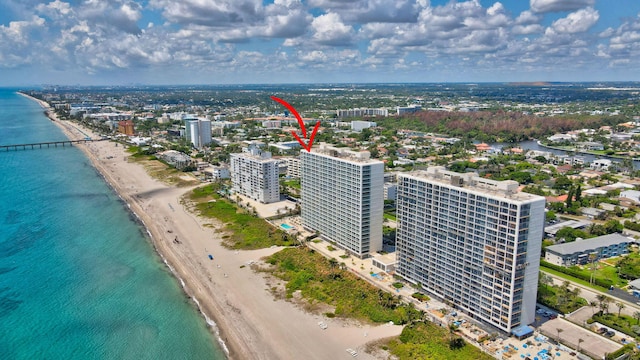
(544,6)
(284,19)
(370,11)
(55,9)
(237,36)
(315,56)
(626,38)
(214,13)
(19,32)
(527,29)
(527,17)
(579,21)
(330,30)
(115,16)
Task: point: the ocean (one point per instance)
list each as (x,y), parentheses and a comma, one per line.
(79,279)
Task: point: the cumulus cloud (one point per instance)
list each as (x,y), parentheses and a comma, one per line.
(368,11)
(112,16)
(527,18)
(56,9)
(284,19)
(385,35)
(579,21)
(527,29)
(330,30)
(544,6)
(18,32)
(215,13)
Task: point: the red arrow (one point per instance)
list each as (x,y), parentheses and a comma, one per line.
(301,123)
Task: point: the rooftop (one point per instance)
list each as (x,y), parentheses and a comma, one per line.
(472,182)
(588,244)
(255,154)
(575,224)
(361,157)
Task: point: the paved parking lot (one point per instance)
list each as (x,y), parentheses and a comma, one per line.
(593,344)
(266,210)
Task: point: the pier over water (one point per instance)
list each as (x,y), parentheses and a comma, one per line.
(42,145)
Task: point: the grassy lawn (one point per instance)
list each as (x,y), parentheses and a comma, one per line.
(571,278)
(606,272)
(322,280)
(611,273)
(426,340)
(389,216)
(293,183)
(244,231)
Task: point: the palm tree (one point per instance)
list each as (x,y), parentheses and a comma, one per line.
(559,330)
(593,305)
(592,258)
(603,302)
(580,341)
(636,316)
(575,293)
(620,306)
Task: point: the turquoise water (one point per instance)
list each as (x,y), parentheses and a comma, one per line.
(286,226)
(78,278)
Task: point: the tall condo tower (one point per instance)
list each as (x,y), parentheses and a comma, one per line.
(342,197)
(473,242)
(198,132)
(255,174)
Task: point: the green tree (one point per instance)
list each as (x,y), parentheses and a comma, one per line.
(578,193)
(562,183)
(613,226)
(521,177)
(551,215)
(569,200)
(365,134)
(593,305)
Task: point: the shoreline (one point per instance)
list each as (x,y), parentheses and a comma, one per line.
(127,202)
(249,321)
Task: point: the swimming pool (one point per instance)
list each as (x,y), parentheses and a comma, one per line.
(286,226)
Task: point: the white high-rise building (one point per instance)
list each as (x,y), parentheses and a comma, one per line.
(473,242)
(342,197)
(255,174)
(198,132)
(361,125)
(293,167)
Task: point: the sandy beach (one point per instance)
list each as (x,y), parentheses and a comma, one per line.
(251,322)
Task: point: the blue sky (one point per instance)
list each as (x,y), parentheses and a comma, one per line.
(122,42)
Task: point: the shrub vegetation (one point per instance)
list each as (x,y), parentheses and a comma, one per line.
(425,340)
(324,280)
(244,231)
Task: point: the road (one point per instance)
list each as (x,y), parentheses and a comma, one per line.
(590,294)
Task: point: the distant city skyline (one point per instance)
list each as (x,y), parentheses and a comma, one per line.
(123,42)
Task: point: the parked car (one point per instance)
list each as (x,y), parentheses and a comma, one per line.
(609,333)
